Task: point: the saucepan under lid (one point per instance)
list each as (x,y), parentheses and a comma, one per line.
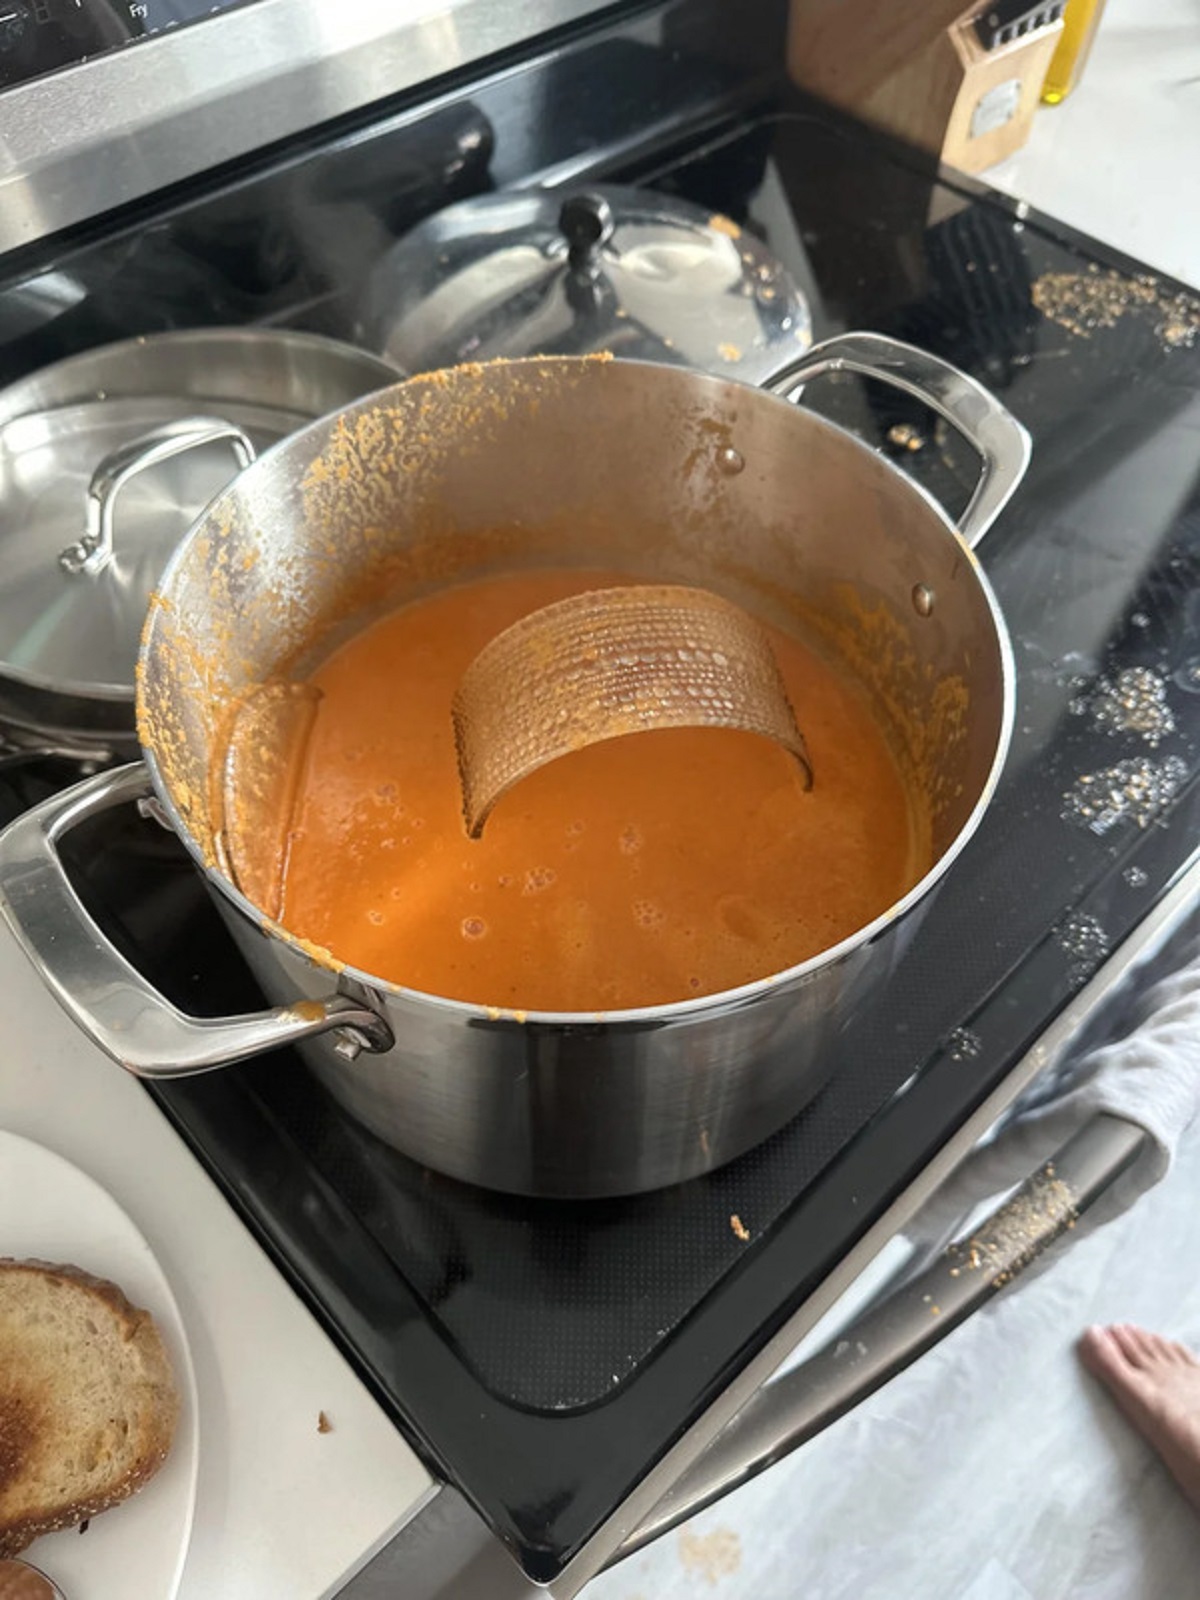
(105,473)
(81,549)
(535,272)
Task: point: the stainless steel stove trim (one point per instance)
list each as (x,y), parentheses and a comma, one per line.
(112,129)
(444,1551)
(893,1334)
(794,1410)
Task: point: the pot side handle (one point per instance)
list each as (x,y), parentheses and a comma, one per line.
(1003,444)
(114,1005)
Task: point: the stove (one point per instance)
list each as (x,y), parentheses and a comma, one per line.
(542,1356)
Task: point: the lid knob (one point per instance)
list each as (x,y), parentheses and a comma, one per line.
(586,221)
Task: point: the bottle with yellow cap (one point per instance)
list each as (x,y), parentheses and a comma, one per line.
(1080,21)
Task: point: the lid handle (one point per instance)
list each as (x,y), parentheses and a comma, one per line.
(94,551)
(586,221)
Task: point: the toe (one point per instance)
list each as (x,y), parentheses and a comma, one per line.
(1150,1352)
(1131,1342)
(1156,1351)
(1102,1353)
(1117,1358)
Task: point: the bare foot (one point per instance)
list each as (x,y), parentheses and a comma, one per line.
(1156,1383)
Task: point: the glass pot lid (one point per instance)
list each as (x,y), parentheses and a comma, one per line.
(624,270)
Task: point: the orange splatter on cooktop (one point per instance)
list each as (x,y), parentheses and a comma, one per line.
(640,871)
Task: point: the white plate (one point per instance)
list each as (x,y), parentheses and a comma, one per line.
(51,1211)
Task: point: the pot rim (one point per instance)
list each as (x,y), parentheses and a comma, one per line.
(637,1017)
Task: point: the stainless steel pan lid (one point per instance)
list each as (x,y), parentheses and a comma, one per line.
(88,524)
(625,270)
(105,461)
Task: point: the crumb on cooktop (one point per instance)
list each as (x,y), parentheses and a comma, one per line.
(739,1227)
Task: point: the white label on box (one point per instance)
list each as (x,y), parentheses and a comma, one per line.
(996,107)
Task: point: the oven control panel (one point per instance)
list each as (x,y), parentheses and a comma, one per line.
(41,36)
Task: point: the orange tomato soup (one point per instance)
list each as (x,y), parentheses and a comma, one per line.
(648,869)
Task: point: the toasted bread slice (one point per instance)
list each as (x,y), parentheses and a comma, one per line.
(88,1403)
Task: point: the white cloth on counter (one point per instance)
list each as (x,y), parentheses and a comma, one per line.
(995,1468)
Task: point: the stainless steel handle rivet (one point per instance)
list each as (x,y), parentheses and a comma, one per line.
(150,808)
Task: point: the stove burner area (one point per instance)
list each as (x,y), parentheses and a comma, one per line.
(544,1354)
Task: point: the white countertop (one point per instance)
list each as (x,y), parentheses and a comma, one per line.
(265,1527)
(1120,157)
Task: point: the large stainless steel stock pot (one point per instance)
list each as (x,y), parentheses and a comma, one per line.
(658,471)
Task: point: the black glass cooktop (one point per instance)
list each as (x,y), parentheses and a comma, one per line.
(543,1355)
